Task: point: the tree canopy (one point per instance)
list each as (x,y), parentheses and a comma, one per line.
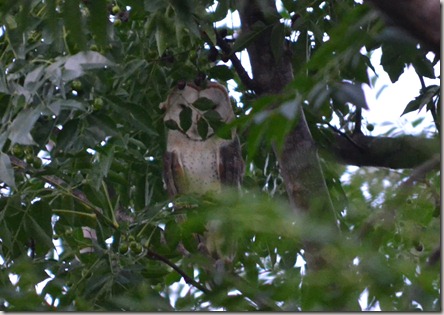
(85,221)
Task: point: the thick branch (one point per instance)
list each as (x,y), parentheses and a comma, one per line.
(421,18)
(395,153)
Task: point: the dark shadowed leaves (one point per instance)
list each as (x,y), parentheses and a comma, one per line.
(171,124)
(20,130)
(203,103)
(345,92)
(6,171)
(185,118)
(420,101)
(202,128)
(221,72)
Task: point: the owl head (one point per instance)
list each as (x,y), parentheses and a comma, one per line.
(197,111)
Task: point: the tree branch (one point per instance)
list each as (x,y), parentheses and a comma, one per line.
(419,173)
(243,75)
(420,18)
(153,255)
(358,121)
(395,153)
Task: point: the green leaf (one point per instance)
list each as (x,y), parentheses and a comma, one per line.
(68,138)
(213,116)
(172,234)
(184,10)
(277,40)
(202,128)
(255,137)
(413,105)
(221,11)
(291,108)
(288,259)
(185,118)
(33,79)
(104,123)
(204,103)
(52,15)
(208,28)
(221,72)
(99,20)
(85,60)
(290,5)
(171,124)
(10,22)
(6,170)
(20,130)
(350,93)
(424,67)
(160,39)
(154,5)
(73,20)
(38,225)
(420,101)
(3,85)
(392,62)
(59,105)
(215,121)
(245,38)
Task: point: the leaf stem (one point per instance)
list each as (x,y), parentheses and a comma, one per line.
(90,215)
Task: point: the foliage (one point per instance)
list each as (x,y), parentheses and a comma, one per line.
(82,139)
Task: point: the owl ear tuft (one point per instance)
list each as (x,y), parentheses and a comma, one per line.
(201,80)
(181,84)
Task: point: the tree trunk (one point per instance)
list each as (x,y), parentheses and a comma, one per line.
(298,160)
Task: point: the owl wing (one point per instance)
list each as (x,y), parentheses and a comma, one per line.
(173,174)
(231,165)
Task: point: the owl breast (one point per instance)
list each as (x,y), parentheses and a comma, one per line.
(199,163)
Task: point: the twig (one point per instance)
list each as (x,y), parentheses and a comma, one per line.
(346,136)
(420,172)
(432,107)
(358,121)
(243,75)
(188,279)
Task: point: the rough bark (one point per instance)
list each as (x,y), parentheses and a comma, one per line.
(395,153)
(298,160)
(420,18)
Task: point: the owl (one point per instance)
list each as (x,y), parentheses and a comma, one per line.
(196,159)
